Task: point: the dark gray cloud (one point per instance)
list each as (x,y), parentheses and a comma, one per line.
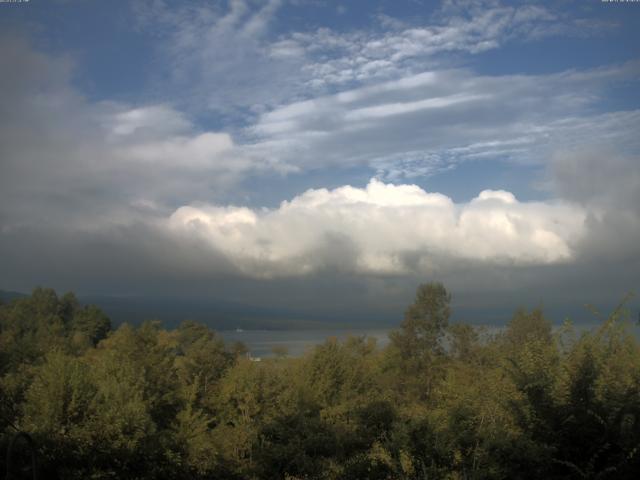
(596,174)
(607,184)
(80,163)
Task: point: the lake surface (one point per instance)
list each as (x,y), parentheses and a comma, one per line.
(262,342)
(296,342)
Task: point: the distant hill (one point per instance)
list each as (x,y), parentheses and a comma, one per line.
(7,295)
(224,315)
(219,315)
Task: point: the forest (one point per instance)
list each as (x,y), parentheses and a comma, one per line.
(443,400)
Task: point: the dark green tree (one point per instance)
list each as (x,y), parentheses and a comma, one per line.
(424,323)
(417,345)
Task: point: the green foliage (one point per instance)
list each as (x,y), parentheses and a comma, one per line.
(441,401)
(424,324)
(415,355)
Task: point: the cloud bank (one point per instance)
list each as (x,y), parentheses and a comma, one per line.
(68,160)
(384,229)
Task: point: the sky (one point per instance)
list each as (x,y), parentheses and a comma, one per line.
(322,157)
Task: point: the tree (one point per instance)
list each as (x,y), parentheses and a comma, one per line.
(56,410)
(424,322)
(416,346)
(527,327)
(201,360)
(463,339)
(145,402)
(91,322)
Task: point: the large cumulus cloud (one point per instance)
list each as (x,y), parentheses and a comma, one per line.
(384,229)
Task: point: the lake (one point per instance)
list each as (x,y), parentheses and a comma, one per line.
(296,342)
(262,342)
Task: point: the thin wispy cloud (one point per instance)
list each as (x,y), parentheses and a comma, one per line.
(447,116)
(228,54)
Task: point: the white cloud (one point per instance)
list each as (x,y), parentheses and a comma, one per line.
(324,98)
(399,108)
(226,57)
(424,123)
(220,56)
(357,57)
(383,229)
(68,160)
(156,120)
(200,151)
(300,100)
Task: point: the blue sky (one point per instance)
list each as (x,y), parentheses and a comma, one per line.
(345,151)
